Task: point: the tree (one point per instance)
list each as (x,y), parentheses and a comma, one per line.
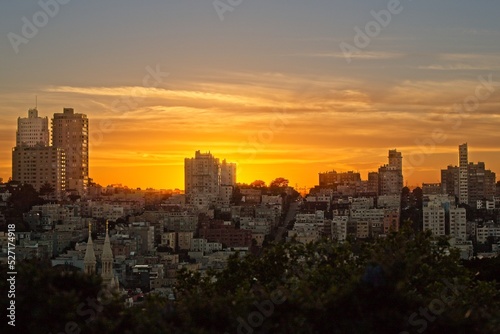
(407,282)
(74,197)
(47,189)
(365,288)
(279,182)
(24,196)
(258,184)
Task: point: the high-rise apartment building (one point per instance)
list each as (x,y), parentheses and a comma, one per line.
(458,223)
(470,182)
(70,131)
(463,174)
(32,130)
(481,183)
(40,165)
(373,179)
(207,181)
(449,180)
(227,173)
(35,162)
(396,160)
(391,175)
(202,174)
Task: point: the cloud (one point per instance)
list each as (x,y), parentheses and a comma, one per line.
(363,55)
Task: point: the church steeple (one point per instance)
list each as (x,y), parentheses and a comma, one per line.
(89,260)
(107,260)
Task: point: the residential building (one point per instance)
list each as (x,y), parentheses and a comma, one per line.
(432,188)
(470,182)
(391,175)
(228,173)
(434,219)
(339,228)
(463,174)
(391,220)
(389,201)
(70,131)
(488,229)
(481,183)
(39,165)
(202,174)
(32,130)
(373,186)
(458,222)
(449,180)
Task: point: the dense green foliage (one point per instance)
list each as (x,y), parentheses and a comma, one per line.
(405,283)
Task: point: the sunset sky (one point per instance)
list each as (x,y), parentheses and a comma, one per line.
(267,87)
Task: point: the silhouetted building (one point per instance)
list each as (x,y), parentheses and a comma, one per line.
(477,184)
(481,183)
(391,175)
(328,178)
(431,188)
(449,180)
(202,176)
(70,132)
(227,173)
(373,186)
(40,165)
(463,187)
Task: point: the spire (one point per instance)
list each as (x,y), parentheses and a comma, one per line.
(106,250)
(107,261)
(89,259)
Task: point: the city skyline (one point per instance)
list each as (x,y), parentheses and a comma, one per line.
(33,133)
(43,131)
(268,86)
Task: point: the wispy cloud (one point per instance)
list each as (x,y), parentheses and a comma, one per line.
(366,55)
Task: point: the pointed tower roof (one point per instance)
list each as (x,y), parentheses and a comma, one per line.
(107,254)
(89,252)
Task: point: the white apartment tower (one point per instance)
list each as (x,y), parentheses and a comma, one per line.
(35,162)
(32,130)
(463,175)
(70,131)
(434,220)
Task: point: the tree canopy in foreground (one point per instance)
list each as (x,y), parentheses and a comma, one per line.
(405,283)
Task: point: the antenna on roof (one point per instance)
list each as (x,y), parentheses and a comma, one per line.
(36,101)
